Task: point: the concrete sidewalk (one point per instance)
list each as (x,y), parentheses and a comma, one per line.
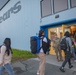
(30,67)
(51,59)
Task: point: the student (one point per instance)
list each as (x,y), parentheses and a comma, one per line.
(67,51)
(75,42)
(5,57)
(73,48)
(42,55)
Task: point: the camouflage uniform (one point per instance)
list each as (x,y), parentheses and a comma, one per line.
(56,47)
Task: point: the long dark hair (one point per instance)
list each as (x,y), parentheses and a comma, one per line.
(41,33)
(7,43)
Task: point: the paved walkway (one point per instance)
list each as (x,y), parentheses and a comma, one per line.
(29,67)
(51,59)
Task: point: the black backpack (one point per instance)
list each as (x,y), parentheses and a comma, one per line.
(35,44)
(63,44)
(0,48)
(46,46)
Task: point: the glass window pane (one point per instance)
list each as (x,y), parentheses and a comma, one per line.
(73,3)
(60,5)
(2,3)
(45,8)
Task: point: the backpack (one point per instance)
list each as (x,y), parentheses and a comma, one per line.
(46,46)
(63,44)
(0,48)
(35,42)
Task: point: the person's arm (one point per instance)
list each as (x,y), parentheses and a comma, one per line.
(70,43)
(2,52)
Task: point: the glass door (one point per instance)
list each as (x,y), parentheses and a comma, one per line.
(65,28)
(51,32)
(60,32)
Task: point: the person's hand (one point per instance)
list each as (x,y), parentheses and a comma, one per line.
(1,64)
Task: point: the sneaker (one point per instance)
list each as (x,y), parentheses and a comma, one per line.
(38,73)
(62,69)
(70,66)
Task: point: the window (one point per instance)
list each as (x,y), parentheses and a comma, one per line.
(73,3)
(45,8)
(3,3)
(60,5)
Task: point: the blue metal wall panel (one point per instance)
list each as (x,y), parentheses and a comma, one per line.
(22,25)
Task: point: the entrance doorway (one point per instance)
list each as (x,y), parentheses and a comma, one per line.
(60,32)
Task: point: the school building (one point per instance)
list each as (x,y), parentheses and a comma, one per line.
(21,19)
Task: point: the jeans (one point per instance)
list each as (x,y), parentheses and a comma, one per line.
(8,68)
(73,52)
(67,59)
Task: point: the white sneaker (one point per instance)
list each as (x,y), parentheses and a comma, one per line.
(38,73)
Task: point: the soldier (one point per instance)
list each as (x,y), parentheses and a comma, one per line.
(56,47)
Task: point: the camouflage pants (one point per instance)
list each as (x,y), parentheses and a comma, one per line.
(58,54)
